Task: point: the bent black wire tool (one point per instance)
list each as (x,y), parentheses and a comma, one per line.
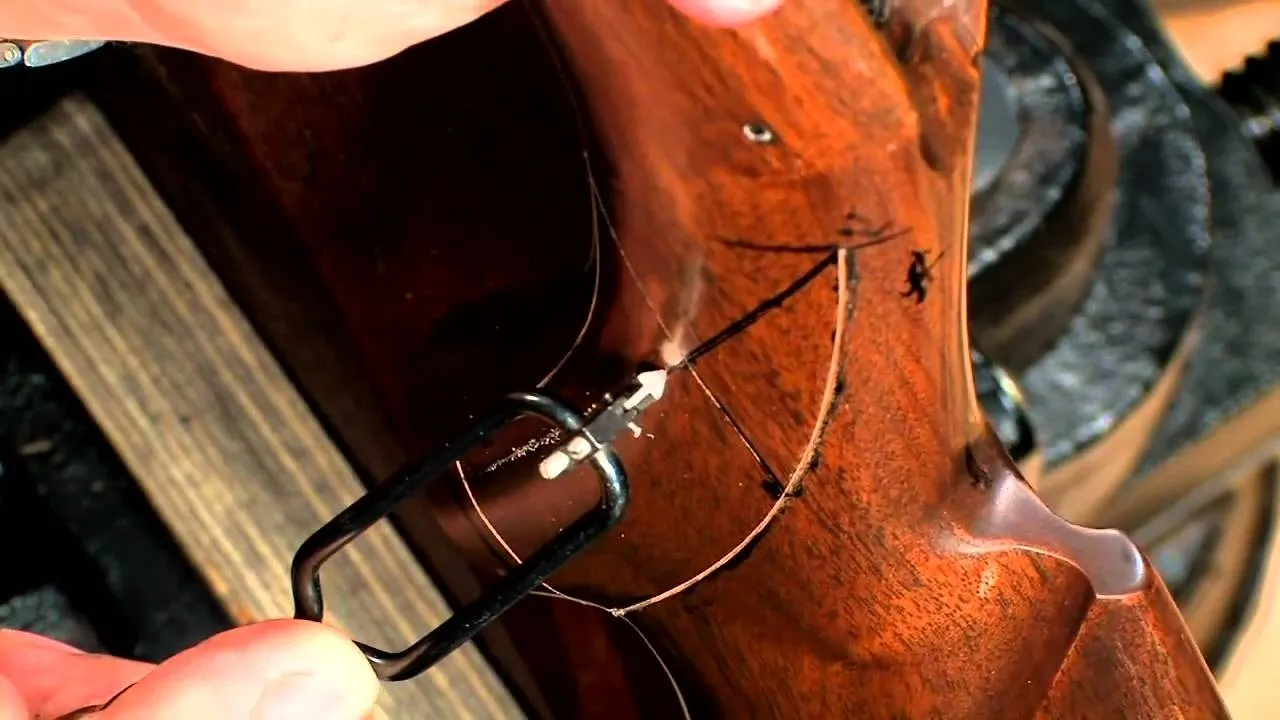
(588,440)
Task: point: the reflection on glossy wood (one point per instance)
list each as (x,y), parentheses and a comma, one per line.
(904,524)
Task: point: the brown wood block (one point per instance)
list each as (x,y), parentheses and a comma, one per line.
(225,448)
(1247,675)
(1242,441)
(1232,455)
(1213,534)
(441,206)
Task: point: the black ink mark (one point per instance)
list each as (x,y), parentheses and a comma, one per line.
(814,463)
(776,490)
(746,553)
(770,475)
(881,236)
(920,274)
(751,318)
(978,475)
(773,488)
(789,249)
(878,232)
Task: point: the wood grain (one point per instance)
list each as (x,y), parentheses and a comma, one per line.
(905,568)
(1229,521)
(225,448)
(895,565)
(1244,440)
(1248,671)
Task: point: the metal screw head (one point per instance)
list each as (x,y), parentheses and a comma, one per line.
(10,54)
(758,133)
(878,10)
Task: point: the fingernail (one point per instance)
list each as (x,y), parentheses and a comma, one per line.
(727,12)
(304,697)
(48,52)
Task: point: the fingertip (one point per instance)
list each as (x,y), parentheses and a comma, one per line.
(12,706)
(726,13)
(334,661)
(275,669)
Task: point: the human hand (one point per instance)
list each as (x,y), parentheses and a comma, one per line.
(278,670)
(285,34)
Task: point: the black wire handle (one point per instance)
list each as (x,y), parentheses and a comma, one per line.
(467,621)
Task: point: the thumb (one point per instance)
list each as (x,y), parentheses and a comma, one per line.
(12,704)
(277,670)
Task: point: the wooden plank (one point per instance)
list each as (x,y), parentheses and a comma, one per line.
(204,417)
(1248,673)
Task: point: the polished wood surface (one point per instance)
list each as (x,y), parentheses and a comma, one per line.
(820,524)
(232,459)
(409,258)
(872,588)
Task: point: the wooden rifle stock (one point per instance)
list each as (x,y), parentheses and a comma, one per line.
(821,524)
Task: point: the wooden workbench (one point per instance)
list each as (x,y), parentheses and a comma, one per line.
(231,457)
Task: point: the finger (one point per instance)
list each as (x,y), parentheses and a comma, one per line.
(726,12)
(11,703)
(278,35)
(286,34)
(55,679)
(276,670)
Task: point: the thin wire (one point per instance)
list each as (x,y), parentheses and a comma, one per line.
(825,410)
(684,707)
(551,592)
(595,289)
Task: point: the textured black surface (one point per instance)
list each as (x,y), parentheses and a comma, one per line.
(48,611)
(1039,231)
(1238,357)
(98,564)
(1150,279)
(1051,118)
(1253,92)
(48,584)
